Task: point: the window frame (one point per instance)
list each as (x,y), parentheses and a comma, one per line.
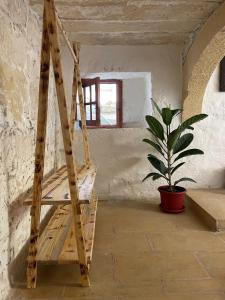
(119,101)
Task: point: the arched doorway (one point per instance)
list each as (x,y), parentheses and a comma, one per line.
(204,55)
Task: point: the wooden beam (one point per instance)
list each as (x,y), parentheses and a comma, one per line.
(73,111)
(76,48)
(39,157)
(59,23)
(71,167)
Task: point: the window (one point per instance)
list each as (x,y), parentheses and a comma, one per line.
(103,102)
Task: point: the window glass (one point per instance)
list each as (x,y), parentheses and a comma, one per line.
(108,97)
(93,93)
(93,112)
(87,94)
(88,113)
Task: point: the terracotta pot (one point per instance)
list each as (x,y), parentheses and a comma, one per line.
(172,202)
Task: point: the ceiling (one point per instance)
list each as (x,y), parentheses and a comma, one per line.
(132,22)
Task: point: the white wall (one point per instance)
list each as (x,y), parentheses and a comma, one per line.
(136,101)
(163,62)
(120,157)
(120,154)
(209,170)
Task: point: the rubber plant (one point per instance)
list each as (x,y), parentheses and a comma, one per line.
(171,146)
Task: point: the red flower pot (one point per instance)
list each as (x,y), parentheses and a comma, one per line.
(172,202)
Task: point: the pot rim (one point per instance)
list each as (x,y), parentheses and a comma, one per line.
(162,189)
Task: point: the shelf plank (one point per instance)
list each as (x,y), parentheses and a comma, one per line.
(51,240)
(69,252)
(56,188)
(57,244)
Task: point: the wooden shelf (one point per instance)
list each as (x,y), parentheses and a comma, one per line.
(57,243)
(76,212)
(56,188)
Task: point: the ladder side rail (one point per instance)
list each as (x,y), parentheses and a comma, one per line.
(71,168)
(87,157)
(39,157)
(73,111)
(65,36)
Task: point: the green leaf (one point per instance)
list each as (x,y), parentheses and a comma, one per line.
(172,138)
(190,127)
(157,164)
(167,115)
(189,153)
(154,145)
(156,127)
(153,175)
(177,167)
(156,106)
(184,179)
(193,120)
(157,176)
(183,142)
(176,112)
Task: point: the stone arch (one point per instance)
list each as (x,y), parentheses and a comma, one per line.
(204,55)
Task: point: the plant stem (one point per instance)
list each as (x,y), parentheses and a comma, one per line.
(169,161)
(169,170)
(161,144)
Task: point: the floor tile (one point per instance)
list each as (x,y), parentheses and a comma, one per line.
(139,269)
(211,286)
(186,241)
(214,262)
(122,242)
(45,293)
(177,297)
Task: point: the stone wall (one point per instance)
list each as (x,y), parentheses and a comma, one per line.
(20,35)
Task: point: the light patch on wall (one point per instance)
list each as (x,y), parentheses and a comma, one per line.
(137,92)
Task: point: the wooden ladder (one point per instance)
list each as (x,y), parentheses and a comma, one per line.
(69,235)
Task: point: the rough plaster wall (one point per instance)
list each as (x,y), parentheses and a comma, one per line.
(119,153)
(20,35)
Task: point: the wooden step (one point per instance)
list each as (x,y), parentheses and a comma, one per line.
(56,188)
(57,243)
(209,204)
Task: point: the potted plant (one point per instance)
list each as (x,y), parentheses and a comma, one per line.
(170,144)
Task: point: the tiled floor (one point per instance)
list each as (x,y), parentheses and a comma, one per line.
(140,253)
